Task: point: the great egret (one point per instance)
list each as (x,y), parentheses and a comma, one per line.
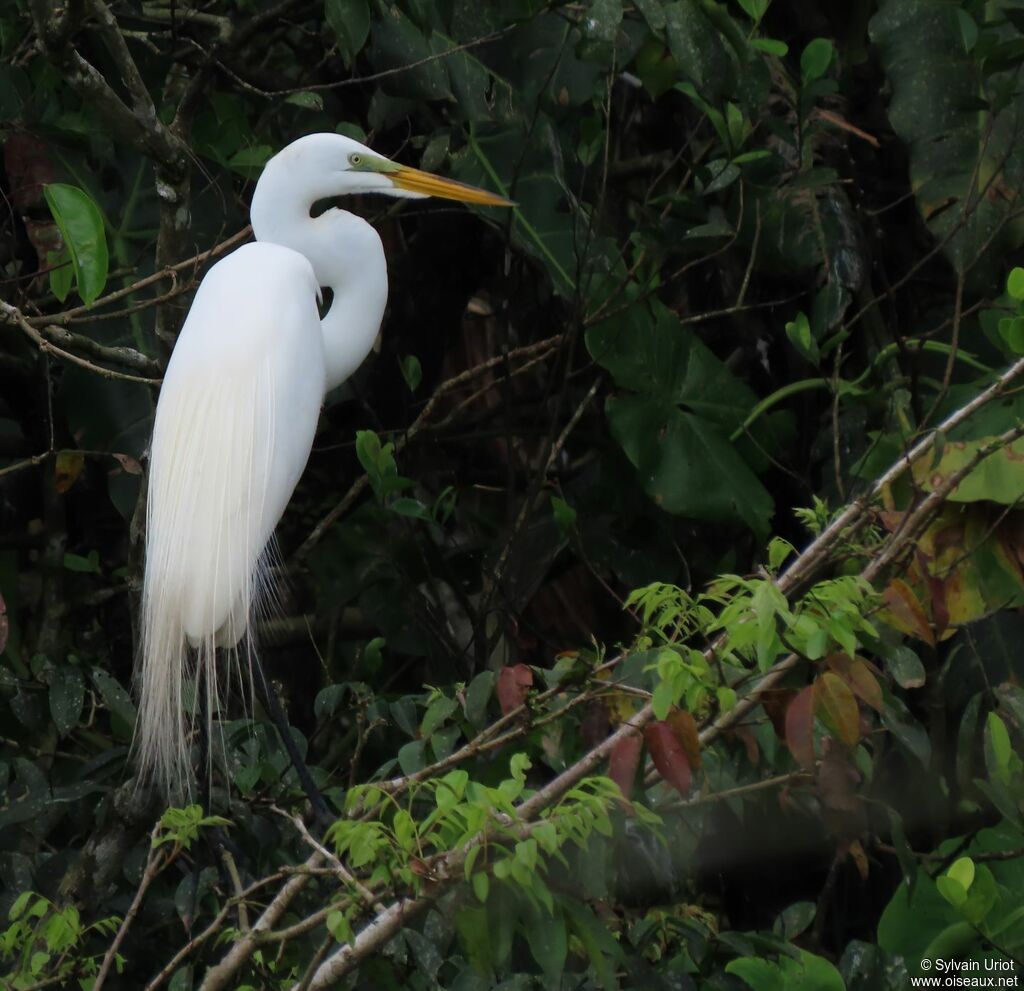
(238,411)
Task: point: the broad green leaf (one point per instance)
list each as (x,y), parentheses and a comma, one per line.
(686,464)
(114,696)
(478,694)
(757,973)
(81,227)
(547,940)
(997,478)
(397,42)
(815,60)
(966,161)
(699,48)
(350,22)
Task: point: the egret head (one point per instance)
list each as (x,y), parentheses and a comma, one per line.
(334,165)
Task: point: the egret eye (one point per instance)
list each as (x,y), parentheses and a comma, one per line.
(355,159)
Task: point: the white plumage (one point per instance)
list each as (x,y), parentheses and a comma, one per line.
(237,415)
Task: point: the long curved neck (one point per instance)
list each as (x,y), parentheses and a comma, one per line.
(347,257)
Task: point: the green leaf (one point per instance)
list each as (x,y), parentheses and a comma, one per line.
(952,890)
(770,45)
(410,507)
(792,921)
(350,22)
(81,227)
(478,694)
(963,153)
(905,666)
(1015,283)
(565,515)
(815,60)
(754,9)
(249,162)
(547,940)
(757,973)
(114,695)
(962,871)
(699,49)
(412,372)
(999,477)
(997,748)
(686,464)
(67,696)
(437,712)
(86,565)
(306,99)
(62,273)
(799,333)
(410,757)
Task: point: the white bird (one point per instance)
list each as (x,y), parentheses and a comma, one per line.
(237,414)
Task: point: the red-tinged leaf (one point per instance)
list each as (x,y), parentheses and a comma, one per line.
(67,469)
(624,761)
(668,756)
(746,736)
(5,627)
(685,728)
(513,686)
(129,464)
(857,673)
(940,611)
(905,612)
(775,702)
(800,727)
(28,167)
(835,705)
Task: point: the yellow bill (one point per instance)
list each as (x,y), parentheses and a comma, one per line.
(416,181)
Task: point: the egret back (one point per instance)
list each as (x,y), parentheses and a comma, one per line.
(234,427)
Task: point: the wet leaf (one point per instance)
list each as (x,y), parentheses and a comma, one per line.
(905,667)
(67,696)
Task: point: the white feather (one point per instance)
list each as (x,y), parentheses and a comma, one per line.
(234,427)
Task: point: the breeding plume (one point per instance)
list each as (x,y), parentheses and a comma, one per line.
(238,411)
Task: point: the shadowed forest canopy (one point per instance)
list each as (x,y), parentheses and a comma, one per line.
(650,606)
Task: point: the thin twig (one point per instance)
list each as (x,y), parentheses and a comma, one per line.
(157,860)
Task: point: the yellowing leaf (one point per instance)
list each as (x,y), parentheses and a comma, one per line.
(68,467)
(835,705)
